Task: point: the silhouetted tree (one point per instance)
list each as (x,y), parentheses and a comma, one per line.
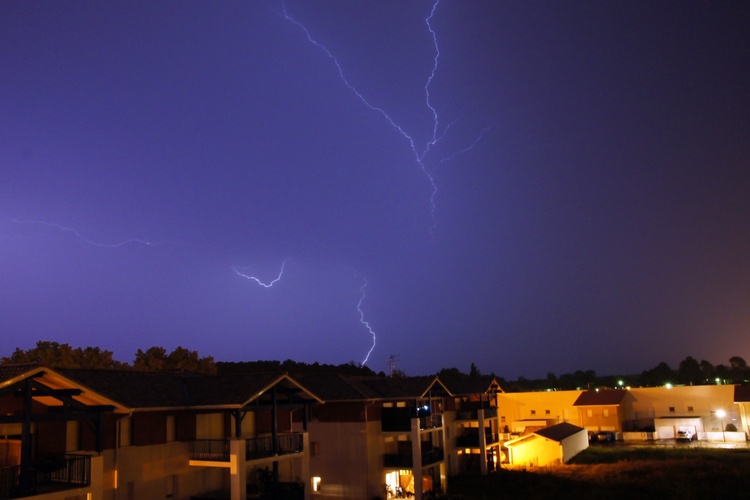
(723,373)
(180,359)
(689,372)
(658,376)
(56,355)
(474,371)
(451,374)
(708,372)
(738,369)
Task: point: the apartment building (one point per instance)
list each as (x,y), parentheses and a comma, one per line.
(125,435)
(377,437)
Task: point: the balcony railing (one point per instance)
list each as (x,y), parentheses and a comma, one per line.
(217,450)
(66,472)
(471,439)
(473,414)
(430,422)
(468,441)
(264,446)
(210,450)
(432,456)
(405,460)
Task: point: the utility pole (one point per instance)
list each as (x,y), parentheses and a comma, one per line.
(392,363)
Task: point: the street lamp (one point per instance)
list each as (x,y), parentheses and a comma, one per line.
(721,414)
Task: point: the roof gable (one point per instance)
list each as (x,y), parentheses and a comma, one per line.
(466,386)
(606,397)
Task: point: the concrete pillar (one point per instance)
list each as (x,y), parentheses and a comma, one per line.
(97,478)
(306,480)
(237,469)
(416,454)
(482,443)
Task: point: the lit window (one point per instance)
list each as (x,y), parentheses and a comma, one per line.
(589,413)
(316,484)
(605,412)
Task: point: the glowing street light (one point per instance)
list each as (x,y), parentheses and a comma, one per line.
(721,414)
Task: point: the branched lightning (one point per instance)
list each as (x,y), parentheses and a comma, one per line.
(79,235)
(467,148)
(257,280)
(435,137)
(420,152)
(365,323)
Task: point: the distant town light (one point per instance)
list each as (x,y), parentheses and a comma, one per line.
(668,385)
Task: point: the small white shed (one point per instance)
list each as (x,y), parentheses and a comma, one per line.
(549,446)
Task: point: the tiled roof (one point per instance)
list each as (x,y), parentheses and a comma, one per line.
(600,398)
(136,389)
(742,393)
(238,390)
(346,388)
(473,385)
(339,388)
(407,387)
(13,370)
(558,432)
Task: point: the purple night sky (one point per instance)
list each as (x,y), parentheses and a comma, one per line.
(591,161)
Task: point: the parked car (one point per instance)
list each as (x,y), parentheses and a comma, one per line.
(605,436)
(684,435)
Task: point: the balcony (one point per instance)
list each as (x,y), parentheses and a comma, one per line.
(263,447)
(471,439)
(217,450)
(473,414)
(47,476)
(399,420)
(405,460)
(210,450)
(396,419)
(430,422)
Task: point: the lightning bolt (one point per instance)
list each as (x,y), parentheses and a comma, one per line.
(258,281)
(365,323)
(78,235)
(467,148)
(419,156)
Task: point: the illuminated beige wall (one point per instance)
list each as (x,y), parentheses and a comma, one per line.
(155,471)
(553,407)
(686,401)
(342,457)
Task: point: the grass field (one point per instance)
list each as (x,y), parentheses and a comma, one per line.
(621,473)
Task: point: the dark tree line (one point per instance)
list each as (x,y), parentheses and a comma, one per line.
(56,355)
(690,371)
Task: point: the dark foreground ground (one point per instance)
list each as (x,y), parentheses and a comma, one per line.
(621,473)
